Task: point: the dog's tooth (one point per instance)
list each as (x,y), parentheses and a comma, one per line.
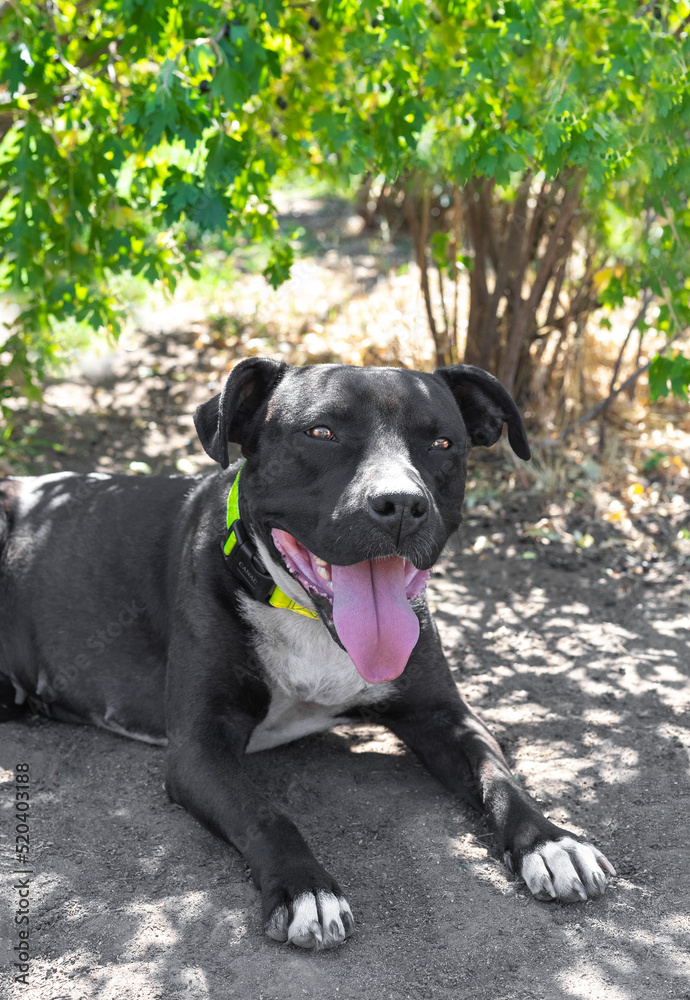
(319,561)
(323,573)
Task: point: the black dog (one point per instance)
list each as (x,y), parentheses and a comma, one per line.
(232,618)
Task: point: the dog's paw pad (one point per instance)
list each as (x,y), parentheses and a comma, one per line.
(313,920)
(567,870)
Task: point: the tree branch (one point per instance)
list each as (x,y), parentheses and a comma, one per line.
(509,251)
(647,298)
(485,220)
(476,350)
(419,237)
(457,209)
(605,403)
(522,320)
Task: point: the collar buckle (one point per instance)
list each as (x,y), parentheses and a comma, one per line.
(244,562)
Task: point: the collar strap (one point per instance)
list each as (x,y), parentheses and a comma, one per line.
(245,563)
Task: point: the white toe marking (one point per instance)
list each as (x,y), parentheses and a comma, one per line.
(346,915)
(305,929)
(587,863)
(321,921)
(563,875)
(536,876)
(565,869)
(333,929)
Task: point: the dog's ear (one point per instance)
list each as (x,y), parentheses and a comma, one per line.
(485,406)
(227,417)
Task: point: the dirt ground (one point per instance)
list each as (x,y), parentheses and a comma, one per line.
(578,660)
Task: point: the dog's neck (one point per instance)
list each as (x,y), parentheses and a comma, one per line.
(245,563)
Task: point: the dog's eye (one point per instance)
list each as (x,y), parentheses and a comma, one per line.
(441,443)
(322,433)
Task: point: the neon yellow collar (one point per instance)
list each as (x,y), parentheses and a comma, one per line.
(276,597)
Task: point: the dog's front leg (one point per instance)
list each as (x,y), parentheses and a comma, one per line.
(458,749)
(207,736)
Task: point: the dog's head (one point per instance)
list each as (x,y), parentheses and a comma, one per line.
(354,481)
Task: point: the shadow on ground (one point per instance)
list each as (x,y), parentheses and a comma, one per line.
(584,678)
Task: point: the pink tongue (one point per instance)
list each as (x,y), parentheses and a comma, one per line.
(373,617)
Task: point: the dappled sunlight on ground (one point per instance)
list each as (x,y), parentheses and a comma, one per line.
(591,703)
(564,608)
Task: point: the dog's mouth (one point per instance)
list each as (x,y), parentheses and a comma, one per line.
(371,604)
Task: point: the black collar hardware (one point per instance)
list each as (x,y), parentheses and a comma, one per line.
(244,562)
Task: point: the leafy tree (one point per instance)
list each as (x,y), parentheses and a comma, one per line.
(120,120)
(539,149)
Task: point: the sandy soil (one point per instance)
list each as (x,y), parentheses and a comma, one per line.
(577,659)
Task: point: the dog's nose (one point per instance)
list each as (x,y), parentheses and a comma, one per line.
(400,514)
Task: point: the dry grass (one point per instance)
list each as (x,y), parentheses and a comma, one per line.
(355,298)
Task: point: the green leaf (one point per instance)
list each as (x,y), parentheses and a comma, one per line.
(278,268)
(669,375)
(230,85)
(439,248)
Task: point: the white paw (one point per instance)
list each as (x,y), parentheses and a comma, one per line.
(316,921)
(566,869)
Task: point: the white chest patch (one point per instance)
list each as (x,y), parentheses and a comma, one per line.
(313,681)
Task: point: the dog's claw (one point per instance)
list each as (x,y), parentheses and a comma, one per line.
(319,920)
(546,890)
(565,869)
(578,889)
(604,862)
(536,875)
(309,936)
(595,881)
